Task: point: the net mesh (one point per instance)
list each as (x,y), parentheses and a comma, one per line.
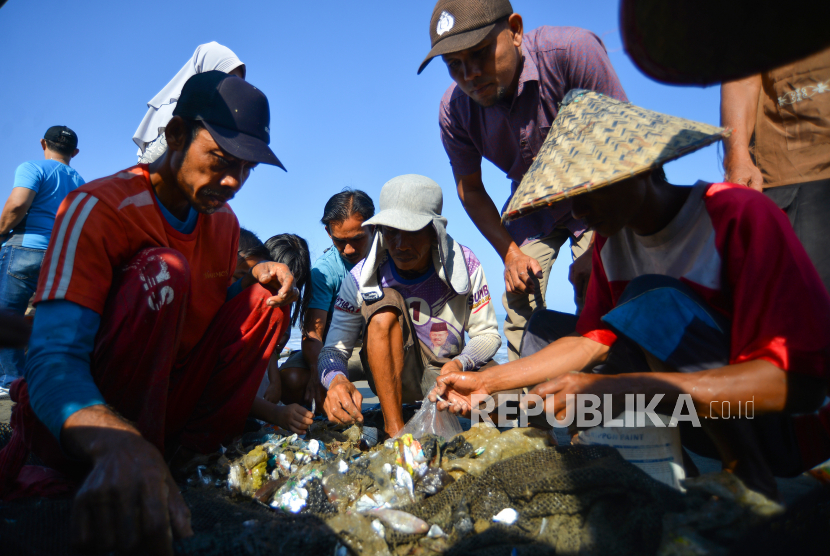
(570,500)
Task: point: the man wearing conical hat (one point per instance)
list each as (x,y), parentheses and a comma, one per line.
(701,290)
(415,288)
(507,87)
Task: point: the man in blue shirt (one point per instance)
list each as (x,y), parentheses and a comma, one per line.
(25,227)
(343,217)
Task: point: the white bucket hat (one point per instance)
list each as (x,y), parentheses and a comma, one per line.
(410,203)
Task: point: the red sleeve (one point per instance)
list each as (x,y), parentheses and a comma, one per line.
(88,241)
(598,301)
(781,310)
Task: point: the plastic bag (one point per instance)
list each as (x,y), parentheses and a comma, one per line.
(429,420)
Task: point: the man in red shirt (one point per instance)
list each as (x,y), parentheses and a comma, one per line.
(702,290)
(140,349)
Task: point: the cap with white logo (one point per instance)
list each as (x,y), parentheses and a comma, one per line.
(461,24)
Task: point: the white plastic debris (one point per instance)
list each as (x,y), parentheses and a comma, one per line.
(435,532)
(292,501)
(507,516)
(366,503)
(342,466)
(235,477)
(404,479)
(379,528)
(314,447)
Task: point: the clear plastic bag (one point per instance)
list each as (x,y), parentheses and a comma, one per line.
(429,420)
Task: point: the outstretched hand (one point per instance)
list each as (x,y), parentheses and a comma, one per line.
(277,278)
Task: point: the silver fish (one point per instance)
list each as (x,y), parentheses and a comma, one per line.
(401,522)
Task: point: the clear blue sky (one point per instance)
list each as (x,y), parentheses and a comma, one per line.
(347,108)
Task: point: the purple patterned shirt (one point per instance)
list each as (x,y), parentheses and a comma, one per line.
(510,133)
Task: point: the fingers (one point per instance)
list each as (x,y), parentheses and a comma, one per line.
(80,522)
(357,399)
(179,512)
(155,519)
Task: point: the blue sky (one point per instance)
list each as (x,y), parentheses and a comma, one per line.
(347,108)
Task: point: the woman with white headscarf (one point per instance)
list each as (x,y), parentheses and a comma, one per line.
(150,133)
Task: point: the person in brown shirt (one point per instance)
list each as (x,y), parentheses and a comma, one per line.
(780,145)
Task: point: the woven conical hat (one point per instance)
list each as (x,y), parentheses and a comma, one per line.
(597,141)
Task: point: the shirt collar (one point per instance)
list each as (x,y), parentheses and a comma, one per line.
(529,72)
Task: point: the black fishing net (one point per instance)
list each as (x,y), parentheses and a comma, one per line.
(573,499)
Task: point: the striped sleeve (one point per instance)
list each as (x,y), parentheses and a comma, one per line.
(88,241)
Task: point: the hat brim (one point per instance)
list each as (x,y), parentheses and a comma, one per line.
(680,43)
(400,220)
(242,146)
(457,43)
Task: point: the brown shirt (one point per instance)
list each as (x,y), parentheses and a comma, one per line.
(792,130)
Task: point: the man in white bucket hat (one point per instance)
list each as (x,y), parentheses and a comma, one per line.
(415,278)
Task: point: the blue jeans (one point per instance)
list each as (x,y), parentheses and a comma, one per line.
(19,271)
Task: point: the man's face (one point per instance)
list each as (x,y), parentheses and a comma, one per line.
(351,239)
(208,176)
(409,250)
(489,71)
(610,209)
(438,338)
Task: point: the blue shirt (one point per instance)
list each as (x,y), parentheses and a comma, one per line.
(51,181)
(327,273)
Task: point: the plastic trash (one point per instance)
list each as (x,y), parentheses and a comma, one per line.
(507,516)
(656,450)
(432,480)
(429,420)
(435,532)
(379,528)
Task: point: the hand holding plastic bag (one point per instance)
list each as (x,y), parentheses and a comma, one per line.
(429,420)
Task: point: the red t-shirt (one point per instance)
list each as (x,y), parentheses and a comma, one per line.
(105,223)
(736,249)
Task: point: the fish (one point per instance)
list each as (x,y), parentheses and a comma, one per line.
(401,522)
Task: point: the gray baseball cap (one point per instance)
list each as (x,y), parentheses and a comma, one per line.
(411,203)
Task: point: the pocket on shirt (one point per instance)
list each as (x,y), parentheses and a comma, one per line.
(25,263)
(803,103)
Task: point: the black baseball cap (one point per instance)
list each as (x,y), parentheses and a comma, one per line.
(234,112)
(62,135)
(461,24)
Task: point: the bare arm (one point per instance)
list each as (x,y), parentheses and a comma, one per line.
(17,205)
(315,327)
(519,269)
(771,389)
(569,354)
(738,110)
(129,500)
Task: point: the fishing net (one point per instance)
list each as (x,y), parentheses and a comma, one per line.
(568,500)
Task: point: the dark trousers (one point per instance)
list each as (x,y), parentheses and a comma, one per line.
(808,207)
(664,317)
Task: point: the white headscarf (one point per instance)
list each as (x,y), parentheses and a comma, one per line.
(210,56)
